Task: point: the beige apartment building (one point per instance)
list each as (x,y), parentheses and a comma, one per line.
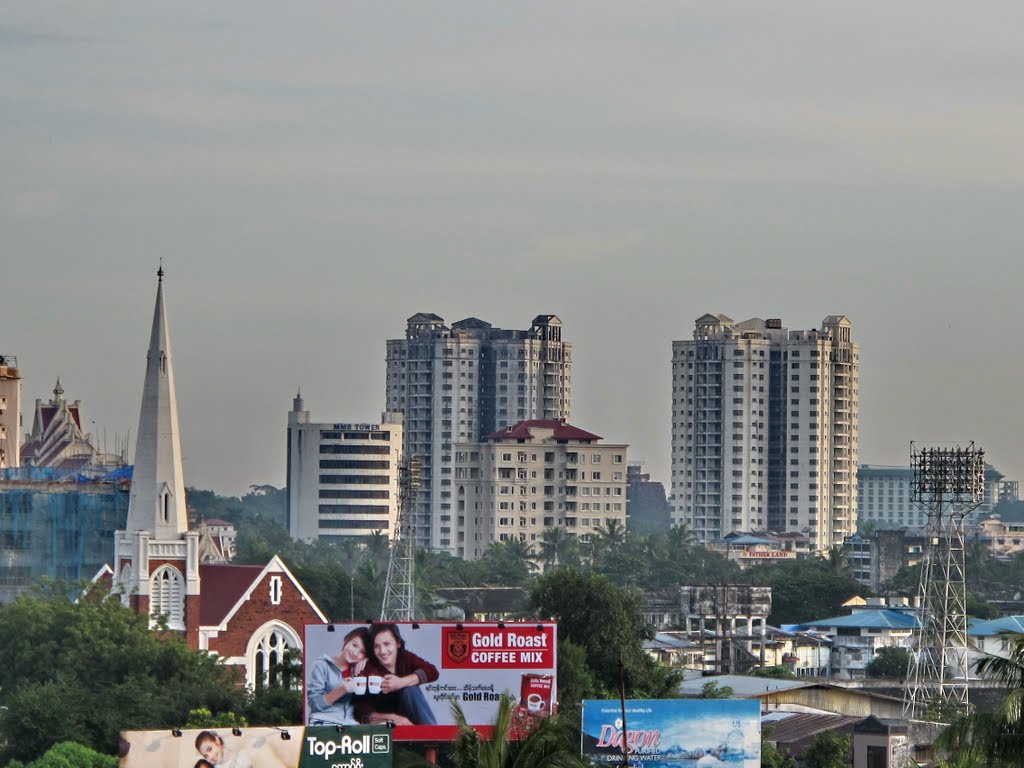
(10,412)
(455,384)
(764,429)
(538,474)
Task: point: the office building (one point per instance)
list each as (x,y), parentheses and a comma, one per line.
(537,474)
(647,509)
(10,412)
(885,497)
(342,477)
(764,429)
(460,383)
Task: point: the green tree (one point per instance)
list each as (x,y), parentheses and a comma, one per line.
(68,754)
(546,743)
(778,672)
(607,622)
(889,663)
(508,563)
(84,671)
(712,690)
(771,755)
(805,589)
(203,718)
(994,738)
(828,750)
(558,547)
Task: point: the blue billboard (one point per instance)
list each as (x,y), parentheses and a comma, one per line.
(674,733)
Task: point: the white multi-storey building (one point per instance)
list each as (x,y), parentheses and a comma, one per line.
(535,475)
(342,477)
(764,429)
(460,383)
(885,496)
(10,412)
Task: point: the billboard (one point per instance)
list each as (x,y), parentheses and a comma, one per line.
(295,747)
(674,733)
(408,674)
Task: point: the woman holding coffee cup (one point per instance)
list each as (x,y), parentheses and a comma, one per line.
(336,680)
(394,675)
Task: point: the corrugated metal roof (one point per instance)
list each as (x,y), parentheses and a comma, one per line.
(799,726)
(880,619)
(744,686)
(1014,624)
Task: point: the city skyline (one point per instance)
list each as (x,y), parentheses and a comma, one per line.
(313,179)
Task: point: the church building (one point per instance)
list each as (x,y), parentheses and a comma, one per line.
(249,615)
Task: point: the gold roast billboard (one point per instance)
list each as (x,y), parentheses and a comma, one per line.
(407,675)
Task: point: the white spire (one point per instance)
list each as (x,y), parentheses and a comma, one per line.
(157,502)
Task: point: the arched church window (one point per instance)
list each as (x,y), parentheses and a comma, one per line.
(125,585)
(275,657)
(167,596)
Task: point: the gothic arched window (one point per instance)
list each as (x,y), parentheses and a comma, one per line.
(274,657)
(167,596)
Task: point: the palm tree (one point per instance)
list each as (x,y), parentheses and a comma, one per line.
(993,738)
(548,743)
(554,543)
(681,537)
(613,532)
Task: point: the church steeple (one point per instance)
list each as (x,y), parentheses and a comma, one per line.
(157,502)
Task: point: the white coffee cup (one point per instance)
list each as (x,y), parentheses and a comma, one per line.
(374,682)
(360,685)
(535,702)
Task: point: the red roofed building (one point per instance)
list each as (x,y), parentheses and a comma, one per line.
(534,476)
(250,615)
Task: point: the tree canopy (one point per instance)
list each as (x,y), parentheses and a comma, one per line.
(606,622)
(84,671)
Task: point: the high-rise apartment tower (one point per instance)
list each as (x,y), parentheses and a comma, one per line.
(764,429)
(10,412)
(457,384)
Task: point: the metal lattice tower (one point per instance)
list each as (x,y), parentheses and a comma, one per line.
(400,588)
(949,483)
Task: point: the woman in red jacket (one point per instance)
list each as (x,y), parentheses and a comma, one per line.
(400,700)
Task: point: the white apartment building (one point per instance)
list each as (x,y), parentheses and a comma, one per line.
(764,429)
(455,385)
(885,496)
(342,477)
(534,475)
(10,412)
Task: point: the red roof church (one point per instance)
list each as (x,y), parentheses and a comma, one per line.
(249,615)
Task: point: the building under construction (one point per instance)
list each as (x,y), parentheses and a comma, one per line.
(56,525)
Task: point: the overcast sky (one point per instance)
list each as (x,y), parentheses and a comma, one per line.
(313,173)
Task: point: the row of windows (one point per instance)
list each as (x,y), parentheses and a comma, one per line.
(328,493)
(355,435)
(353,509)
(355,480)
(380,450)
(370,524)
(353,464)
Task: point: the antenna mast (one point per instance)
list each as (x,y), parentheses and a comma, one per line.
(400,588)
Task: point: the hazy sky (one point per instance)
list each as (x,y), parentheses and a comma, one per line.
(313,173)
